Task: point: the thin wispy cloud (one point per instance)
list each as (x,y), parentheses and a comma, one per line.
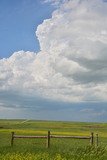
(55,2)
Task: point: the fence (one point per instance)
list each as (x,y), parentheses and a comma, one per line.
(49,136)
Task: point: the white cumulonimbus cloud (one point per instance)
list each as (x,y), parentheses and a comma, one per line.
(72,63)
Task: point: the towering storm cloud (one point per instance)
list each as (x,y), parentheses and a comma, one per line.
(72,63)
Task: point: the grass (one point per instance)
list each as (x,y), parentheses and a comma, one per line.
(61,149)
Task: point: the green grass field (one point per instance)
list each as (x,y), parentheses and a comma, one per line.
(60,149)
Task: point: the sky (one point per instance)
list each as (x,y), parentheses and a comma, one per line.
(53,60)
(18,22)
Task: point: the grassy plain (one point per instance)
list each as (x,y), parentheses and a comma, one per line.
(61,149)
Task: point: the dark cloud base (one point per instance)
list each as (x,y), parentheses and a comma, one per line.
(43,109)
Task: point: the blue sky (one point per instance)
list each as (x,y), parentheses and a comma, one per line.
(18,22)
(53,60)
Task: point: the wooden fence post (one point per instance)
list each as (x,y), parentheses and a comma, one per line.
(48,140)
(92,139)
(12,139)
(97,140)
